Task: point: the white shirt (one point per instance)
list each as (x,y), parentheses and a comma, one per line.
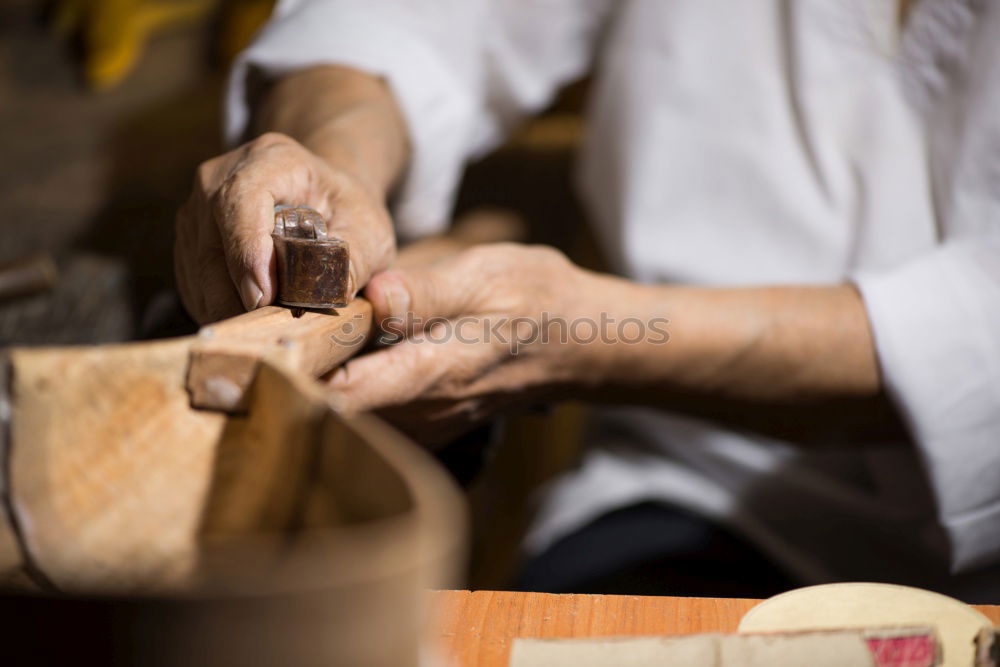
(744,143)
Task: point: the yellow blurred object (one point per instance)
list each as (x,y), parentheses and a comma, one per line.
(114,32)
(241,20)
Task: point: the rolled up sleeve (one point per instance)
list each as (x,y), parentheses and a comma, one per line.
(936,322)
(462,71)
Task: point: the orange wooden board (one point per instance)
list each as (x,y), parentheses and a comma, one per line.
(476,629)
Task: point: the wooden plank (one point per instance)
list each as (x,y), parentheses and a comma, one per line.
(109,465)
(226,355)
(476,629)
(289,536)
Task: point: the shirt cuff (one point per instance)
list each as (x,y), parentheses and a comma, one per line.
(439,110)
(936,323)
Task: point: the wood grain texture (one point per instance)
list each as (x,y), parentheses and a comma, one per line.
(290,536)
(109,465)
(477,629)
(226,354)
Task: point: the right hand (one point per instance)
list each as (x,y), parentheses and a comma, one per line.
(224,255)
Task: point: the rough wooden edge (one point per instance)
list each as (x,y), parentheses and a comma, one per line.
(224,359)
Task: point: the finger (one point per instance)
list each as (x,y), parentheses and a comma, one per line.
(396,375)
(219,298)
(405,301)
(203,283)
(271,172)
(360,219)
(200,269)
(435,364)
(244,212)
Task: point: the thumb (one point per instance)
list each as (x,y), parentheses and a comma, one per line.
(403,301)
(245,224)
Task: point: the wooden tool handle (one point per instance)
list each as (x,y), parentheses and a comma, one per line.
(225,357)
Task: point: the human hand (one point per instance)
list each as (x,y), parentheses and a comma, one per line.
(224,255)
(476,332)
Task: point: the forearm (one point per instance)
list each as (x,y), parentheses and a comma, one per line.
(789,360)
(347,117)
(782,344)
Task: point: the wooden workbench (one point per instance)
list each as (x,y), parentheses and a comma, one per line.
(477,629)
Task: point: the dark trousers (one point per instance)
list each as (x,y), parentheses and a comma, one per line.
(653,548)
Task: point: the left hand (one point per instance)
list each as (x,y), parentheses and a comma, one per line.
(471,341)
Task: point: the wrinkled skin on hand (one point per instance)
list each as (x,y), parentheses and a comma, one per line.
(445,376)
(224,254)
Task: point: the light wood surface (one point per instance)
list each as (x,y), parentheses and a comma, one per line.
(109,466)
(225,356)
(476,629)
(290,536)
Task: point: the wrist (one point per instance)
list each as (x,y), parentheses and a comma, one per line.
(347,117)
(340,151)
(649,336)
(607,326)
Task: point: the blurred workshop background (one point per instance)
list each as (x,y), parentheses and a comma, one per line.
(106,109)
(107,106)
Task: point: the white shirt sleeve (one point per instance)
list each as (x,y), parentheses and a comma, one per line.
(936,322)
(463,71)
(936,319)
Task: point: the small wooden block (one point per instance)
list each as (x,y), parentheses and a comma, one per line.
(225,357)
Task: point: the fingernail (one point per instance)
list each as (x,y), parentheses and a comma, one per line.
(250,293)
(397,299)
